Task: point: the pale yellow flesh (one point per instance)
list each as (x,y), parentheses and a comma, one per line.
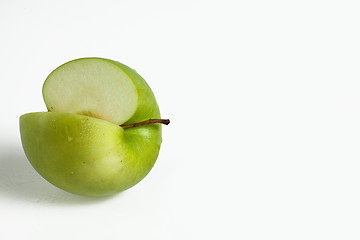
(92,87)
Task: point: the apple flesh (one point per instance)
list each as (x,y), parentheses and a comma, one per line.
(78,145)
(100,88)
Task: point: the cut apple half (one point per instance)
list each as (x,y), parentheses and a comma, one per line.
(102,132)
(93,87)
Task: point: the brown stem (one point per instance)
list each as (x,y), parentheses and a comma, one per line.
(150,121)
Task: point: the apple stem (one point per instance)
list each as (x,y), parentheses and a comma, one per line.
(150,121)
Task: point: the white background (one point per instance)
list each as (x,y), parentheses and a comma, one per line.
(264,98)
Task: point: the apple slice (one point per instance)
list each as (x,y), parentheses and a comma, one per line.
(78,145)
(98,88)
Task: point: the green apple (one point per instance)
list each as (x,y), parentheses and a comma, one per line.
(102,132)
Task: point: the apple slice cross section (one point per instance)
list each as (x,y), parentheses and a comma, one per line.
(102,132)
(94,87)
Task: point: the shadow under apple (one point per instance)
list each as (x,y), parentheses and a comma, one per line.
(20,181)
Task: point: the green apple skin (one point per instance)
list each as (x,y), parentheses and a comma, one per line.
(147,107)
(90,156)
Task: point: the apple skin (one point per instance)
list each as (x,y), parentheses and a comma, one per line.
(90,156)
(147,107)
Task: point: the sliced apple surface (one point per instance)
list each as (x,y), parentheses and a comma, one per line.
(78,145)
(99,88)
